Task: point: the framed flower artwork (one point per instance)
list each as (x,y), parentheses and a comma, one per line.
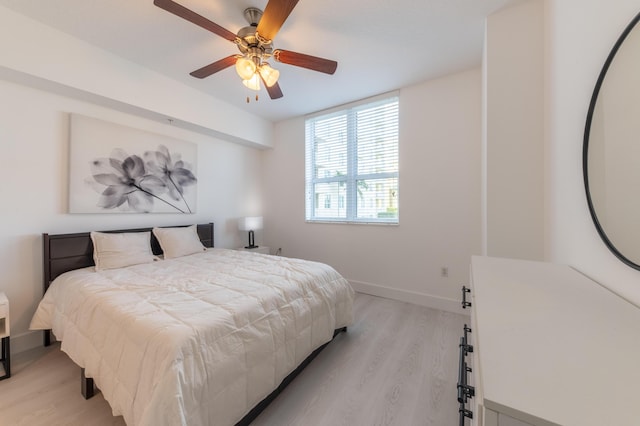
(119,169)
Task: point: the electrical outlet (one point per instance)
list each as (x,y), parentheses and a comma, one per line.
(444,271)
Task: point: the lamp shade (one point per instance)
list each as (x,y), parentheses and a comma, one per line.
(253,83)
(269,75)
(245,67)
(250,223)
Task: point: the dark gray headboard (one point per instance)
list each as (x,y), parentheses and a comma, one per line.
(66,252)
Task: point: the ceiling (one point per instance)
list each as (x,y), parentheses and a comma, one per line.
(380,45)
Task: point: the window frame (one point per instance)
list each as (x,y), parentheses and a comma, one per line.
(350,180)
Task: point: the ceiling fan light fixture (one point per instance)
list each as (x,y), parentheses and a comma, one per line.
(252,83)
(245,67)
(255,45)
(269,75)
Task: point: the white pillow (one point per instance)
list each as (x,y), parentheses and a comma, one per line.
(117,250)
(176,242)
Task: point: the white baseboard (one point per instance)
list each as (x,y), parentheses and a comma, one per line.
(435,302)
(25,341)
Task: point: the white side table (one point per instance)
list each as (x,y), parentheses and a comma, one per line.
(260,249)
(5,332)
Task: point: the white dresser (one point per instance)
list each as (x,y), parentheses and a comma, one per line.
(551,347)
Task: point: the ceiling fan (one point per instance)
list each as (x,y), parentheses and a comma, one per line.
(255,45)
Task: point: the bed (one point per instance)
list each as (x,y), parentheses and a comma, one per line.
(208,338)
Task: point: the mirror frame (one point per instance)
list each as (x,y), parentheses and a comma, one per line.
(585,147)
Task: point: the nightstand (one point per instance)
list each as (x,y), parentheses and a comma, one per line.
(5,356)
(260,249)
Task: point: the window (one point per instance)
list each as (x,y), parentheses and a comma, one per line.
(352,163)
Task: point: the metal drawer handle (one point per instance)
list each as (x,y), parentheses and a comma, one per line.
(464,413)
(465,304)
(464,341)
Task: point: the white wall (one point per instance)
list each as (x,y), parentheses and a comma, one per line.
(580,35)
(34,138)
(439,200)
(513,139)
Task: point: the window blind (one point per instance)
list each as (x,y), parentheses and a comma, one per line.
(351,160)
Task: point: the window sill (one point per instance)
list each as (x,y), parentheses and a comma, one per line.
(345,222)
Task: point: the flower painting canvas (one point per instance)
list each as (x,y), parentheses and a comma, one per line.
(119,169)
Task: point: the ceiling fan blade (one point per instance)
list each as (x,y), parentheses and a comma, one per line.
(305,61)
(274,91)
(213,68)
(191,16)
(276,12)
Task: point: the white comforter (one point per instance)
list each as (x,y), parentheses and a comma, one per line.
(197,340)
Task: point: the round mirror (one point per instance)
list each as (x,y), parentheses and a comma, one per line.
(611,151)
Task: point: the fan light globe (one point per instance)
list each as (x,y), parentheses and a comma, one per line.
(269,75)
(252,83)
(245,68)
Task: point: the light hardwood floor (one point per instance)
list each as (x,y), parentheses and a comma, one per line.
(397,365)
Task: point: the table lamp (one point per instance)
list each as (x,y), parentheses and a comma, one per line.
(250,224)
